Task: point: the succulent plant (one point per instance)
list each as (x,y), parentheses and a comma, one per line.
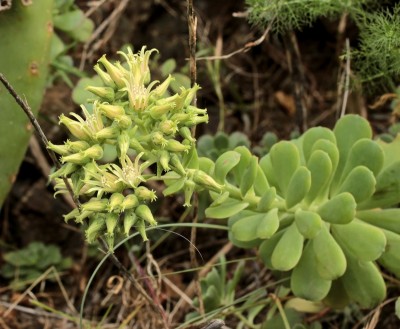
(318,208)
(133,114)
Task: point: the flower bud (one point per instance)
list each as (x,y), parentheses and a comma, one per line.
(111,111)
(104,76)
(77,146)
(95,205)
(103,92)
(115,73)
(188,191)
(123,144)
(107,133)
(124,121)
(111,222)
(195,110)
(157,111)
(187,134)
(115,202)
(141,228)
(175,146)
(195,120)
(130,220)
(158,139)
(77,158)
(65,170)
(168,127)
(59,149)
(72,214)
(191,94)
(180,117)
(94,229)
(162,88)
(135,144)
(143,193)
(201,178)
(94,152)
(75,128)
(176,162)
(130,202)
(164,158)
(144,213)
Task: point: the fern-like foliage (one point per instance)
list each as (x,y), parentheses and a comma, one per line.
(378,57)
(294,14)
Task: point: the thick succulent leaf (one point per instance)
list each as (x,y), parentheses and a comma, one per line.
(314,135)
(330,259)
(390,259)
(337,297)
(348,130)
(285,160)
(367,153)
(309,223)
(341,209)
(320,166)
(224,164)
(388,219)
(267,248)
(260,184)
(361,240)
(299,185)
(229,208)
(240,168)
(363,283)
(391,150)
(360,183)
(268,170)
(249,176)
(241,244)
(288,251)
(267,200)
(245,229)
(268,224)
(305,281)
(329,148)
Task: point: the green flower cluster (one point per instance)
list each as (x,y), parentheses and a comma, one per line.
(151,132)
(318,208)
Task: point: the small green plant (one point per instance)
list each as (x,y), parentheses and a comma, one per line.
(213,146)
(26,265)
(71,27)
(379,31)
(318,208)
